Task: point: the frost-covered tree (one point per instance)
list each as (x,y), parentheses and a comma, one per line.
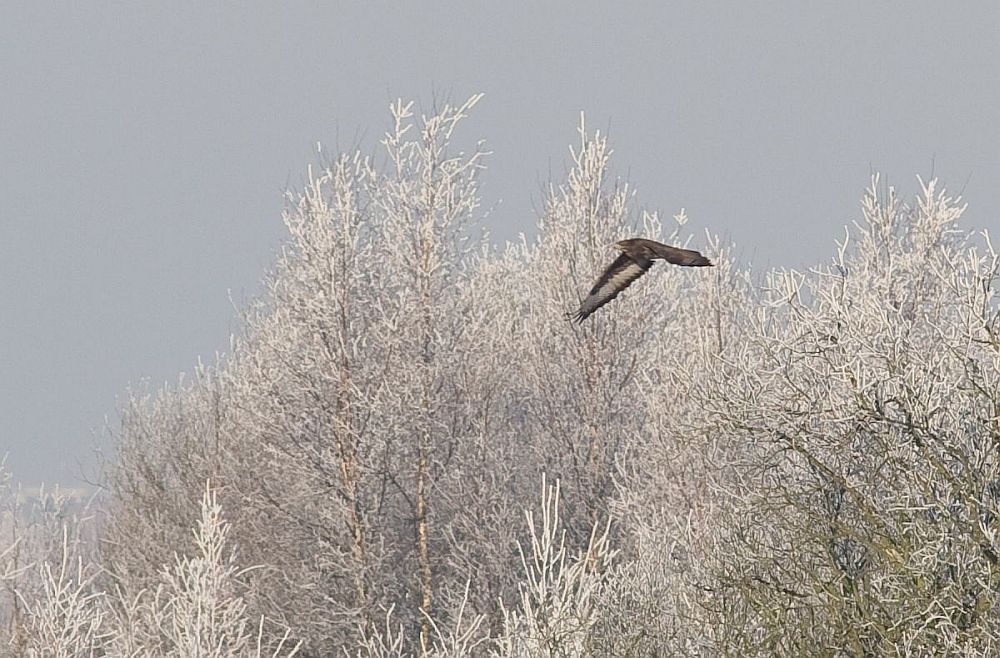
(561,592)
(583,403)
(397,391)
(195,609)
(355,423)
(849,433)
(46,553)
(168,444)
(786,463)
(63,605)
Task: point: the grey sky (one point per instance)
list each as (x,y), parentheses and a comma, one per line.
(144,148)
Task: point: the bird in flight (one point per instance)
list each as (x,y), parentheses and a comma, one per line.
(637,256)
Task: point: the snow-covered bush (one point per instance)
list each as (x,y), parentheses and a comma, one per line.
(559,596)
(194,609)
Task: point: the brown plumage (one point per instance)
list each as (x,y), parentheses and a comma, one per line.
(637,256)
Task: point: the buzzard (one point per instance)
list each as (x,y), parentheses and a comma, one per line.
(637,256)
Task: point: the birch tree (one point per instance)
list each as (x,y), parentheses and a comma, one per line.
(359,400)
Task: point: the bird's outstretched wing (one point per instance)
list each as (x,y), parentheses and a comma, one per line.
(676,255)
(618,276)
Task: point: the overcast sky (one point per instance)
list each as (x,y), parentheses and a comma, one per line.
(144,148)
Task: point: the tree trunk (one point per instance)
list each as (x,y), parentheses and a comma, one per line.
(422,546)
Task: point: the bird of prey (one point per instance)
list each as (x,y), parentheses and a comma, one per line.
(637,256)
